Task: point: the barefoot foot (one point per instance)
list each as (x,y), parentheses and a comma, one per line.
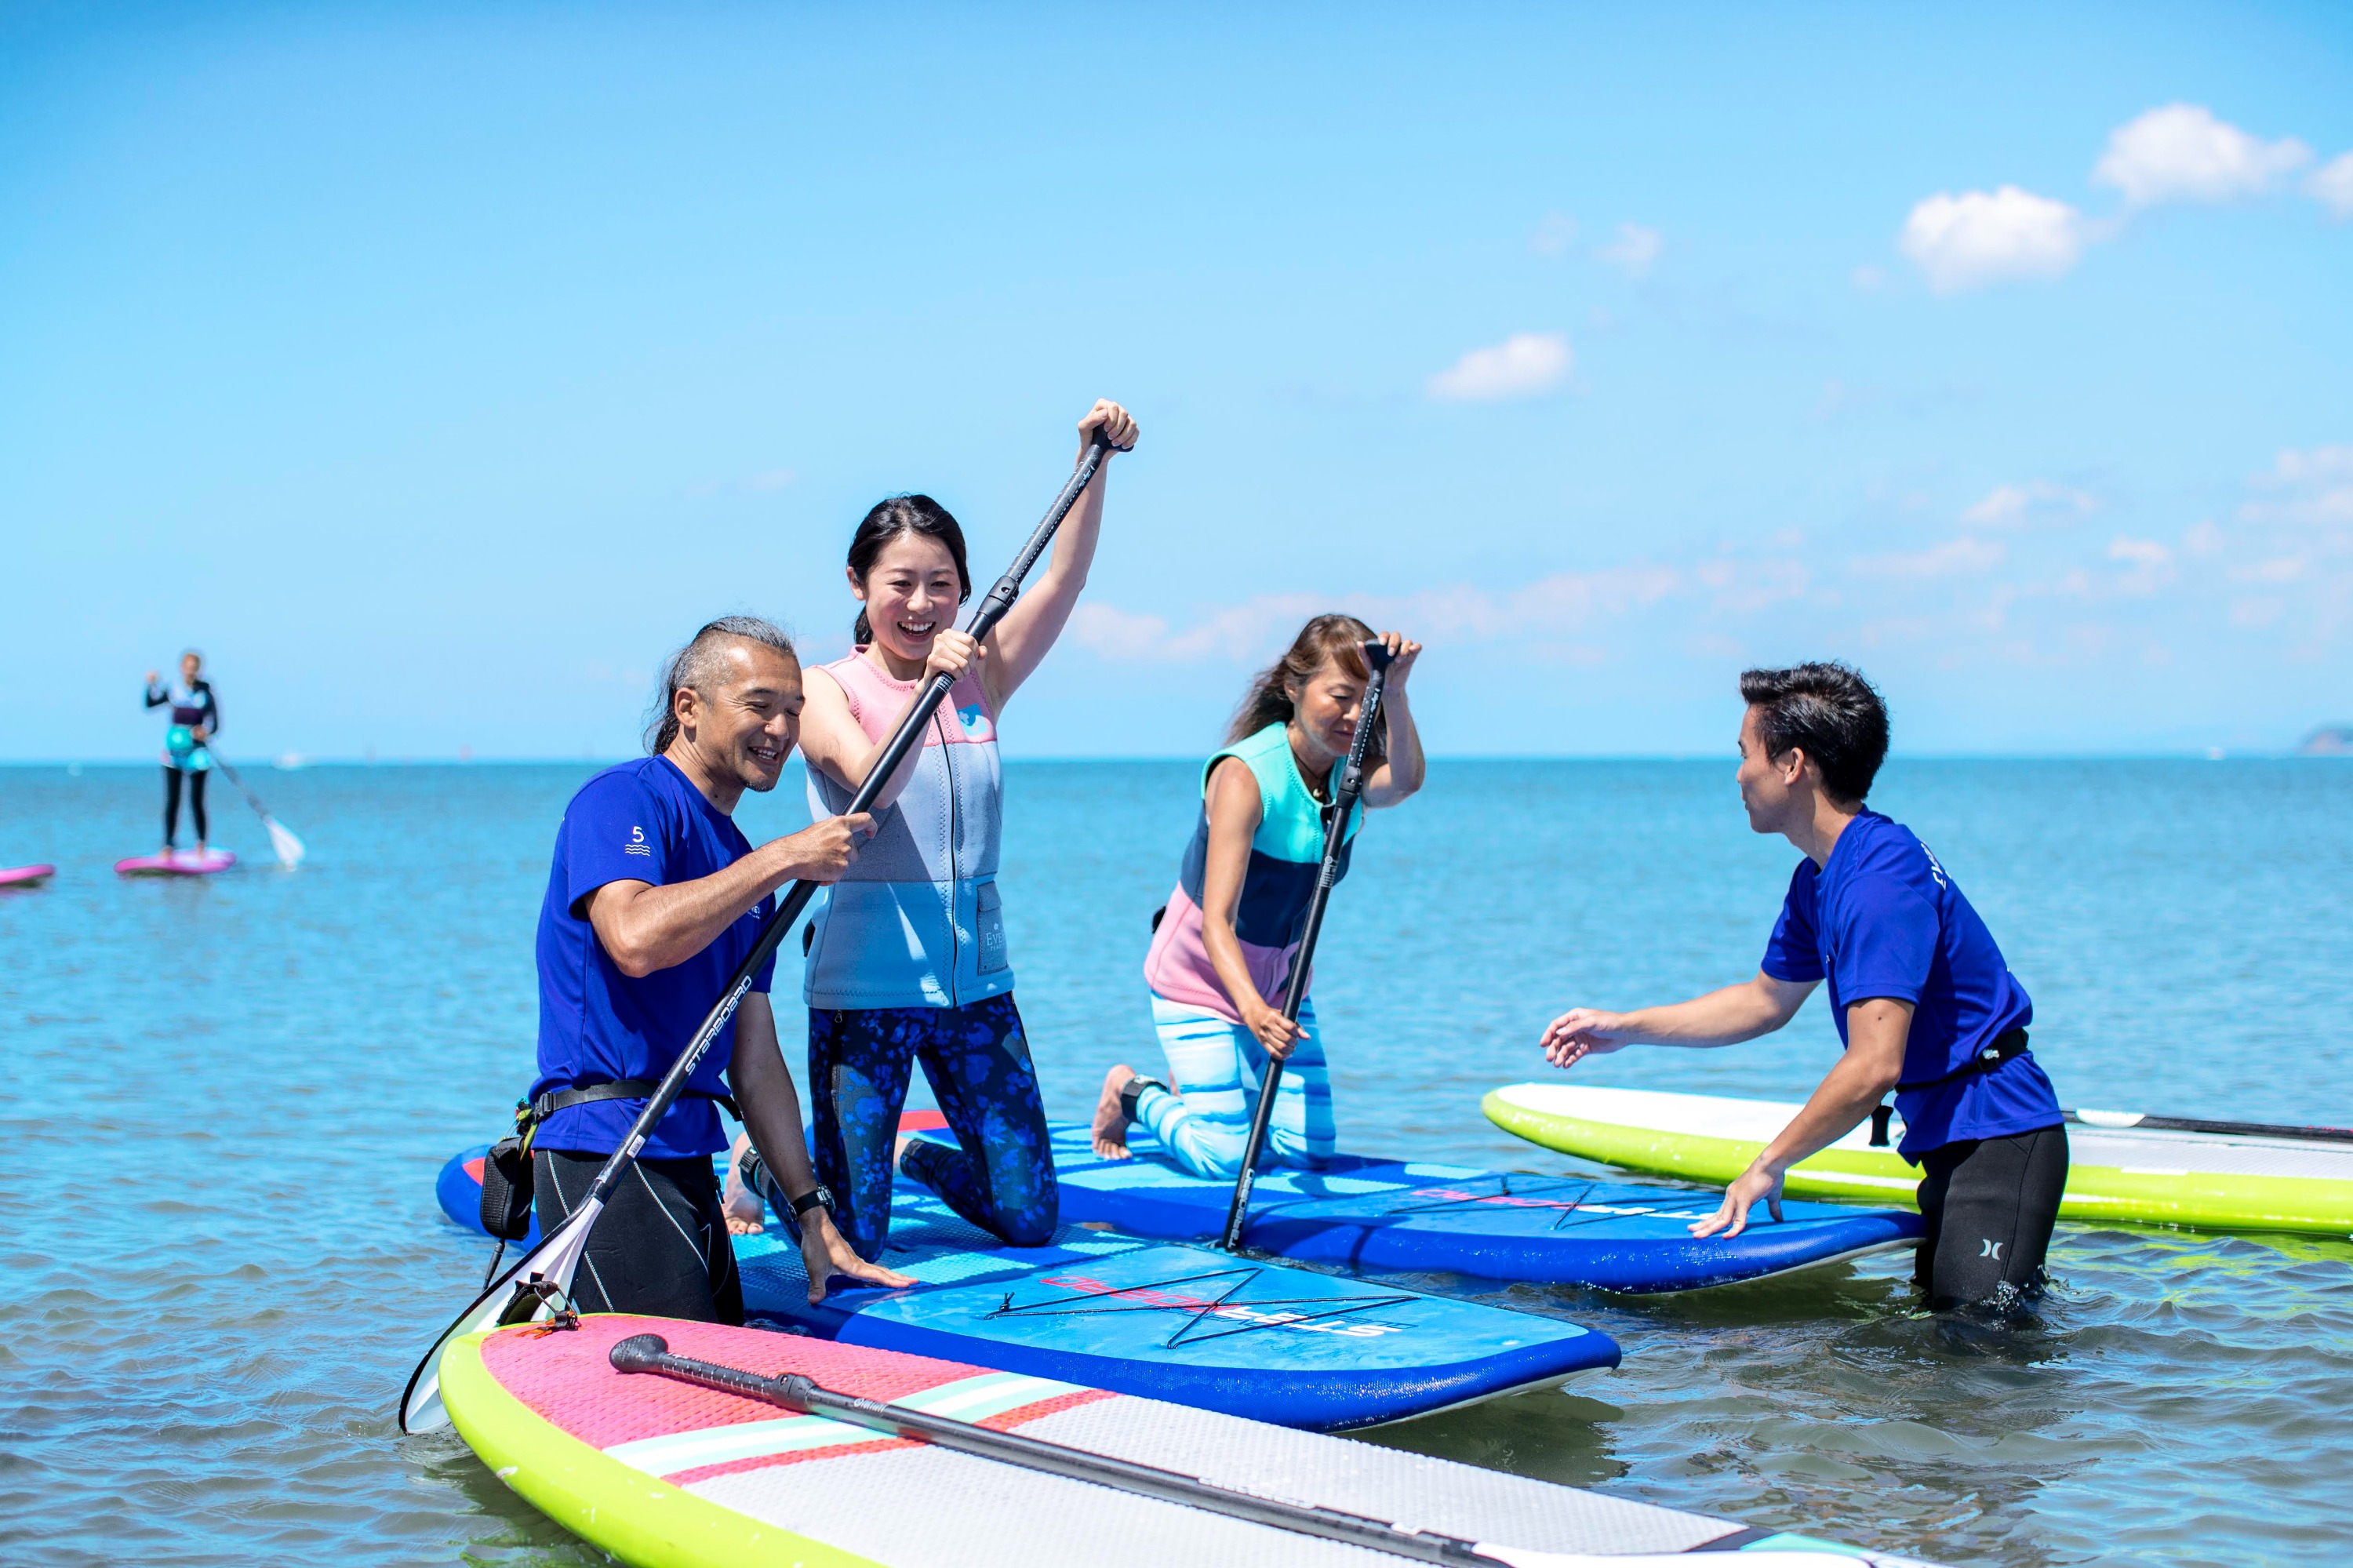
(747,1214)
(1111,1121)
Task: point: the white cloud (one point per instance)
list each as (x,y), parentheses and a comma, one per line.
(2139,552)
(1554,235)
(2181,153)
(774,479)
(2011,505)
(1868,278)
(2331,184)
(1951,558)
(1548,608)
(1525,365)
(2313,486)
(1978,237)
(1634,250)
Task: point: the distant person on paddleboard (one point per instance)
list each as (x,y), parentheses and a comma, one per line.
(654,898)
(195,719)
(1919,991)
(1222,950)
(907,962)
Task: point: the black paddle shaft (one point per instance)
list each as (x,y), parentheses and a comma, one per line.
(1347,786)
(788,912)
(651,1353)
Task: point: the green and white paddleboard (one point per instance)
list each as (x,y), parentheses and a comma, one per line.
(2123,1165)
(669,1475)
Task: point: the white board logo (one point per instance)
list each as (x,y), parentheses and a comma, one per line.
(636,844)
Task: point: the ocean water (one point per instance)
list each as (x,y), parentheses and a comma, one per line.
(220,1253)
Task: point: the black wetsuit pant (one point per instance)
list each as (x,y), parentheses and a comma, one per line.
(171,776)
(660,1246)
(1989,1203)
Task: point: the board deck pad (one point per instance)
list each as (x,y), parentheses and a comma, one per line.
(1255,1337)
(662,1472)
(2197,1180)
(180,863)
(1362,1213)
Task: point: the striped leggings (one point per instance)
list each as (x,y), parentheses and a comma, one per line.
(1215,1065)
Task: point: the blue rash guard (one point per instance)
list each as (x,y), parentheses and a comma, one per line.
(642,822)
(1883,918)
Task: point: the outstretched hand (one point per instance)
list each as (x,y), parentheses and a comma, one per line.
(1731,1217)
(825,1254)
(1583,1031)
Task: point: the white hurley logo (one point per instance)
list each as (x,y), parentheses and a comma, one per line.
(1992,1250)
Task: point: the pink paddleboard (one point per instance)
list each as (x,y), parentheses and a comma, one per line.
(179,863)
(26,875)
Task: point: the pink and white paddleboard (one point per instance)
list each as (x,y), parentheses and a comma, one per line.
(26,875)
(179,863)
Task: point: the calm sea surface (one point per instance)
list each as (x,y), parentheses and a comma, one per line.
(226,1100)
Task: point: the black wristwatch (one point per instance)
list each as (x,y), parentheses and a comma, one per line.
(819,1196)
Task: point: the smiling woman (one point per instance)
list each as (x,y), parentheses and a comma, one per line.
(907,960)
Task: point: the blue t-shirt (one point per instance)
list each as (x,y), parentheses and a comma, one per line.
(642,822)
(1883,919)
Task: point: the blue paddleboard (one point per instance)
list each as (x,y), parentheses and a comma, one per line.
(1190,1325)
(1385,1215)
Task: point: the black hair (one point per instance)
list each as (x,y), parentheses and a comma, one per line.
(1338,638)
(1828,712)
(695,666)
(900,514)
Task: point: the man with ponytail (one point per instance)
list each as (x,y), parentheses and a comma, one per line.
(1223,949)
(654,898)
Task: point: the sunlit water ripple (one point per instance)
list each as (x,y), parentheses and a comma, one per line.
(228,1099)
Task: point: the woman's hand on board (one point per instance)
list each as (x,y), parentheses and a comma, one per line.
(1583,1031)
(1117,425)
(1280,1036)
(825,1252)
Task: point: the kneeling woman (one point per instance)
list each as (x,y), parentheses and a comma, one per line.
(907,961)
(1221,955)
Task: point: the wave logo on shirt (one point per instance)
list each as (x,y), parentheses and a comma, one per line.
(975,720)
(636,844)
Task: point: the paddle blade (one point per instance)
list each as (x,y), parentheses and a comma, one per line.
(554,1260)
(282,839)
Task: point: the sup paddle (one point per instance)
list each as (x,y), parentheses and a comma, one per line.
(281,838)
(541,1280)
(2123,1120)
(805,1396)
(1347,785)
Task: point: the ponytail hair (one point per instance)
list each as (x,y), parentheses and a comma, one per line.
(697,665)
(892,517)
(1337,639)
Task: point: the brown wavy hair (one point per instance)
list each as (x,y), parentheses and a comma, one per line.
(1334,638)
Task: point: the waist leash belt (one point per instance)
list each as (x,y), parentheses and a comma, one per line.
(2001,1048)
(506,1170)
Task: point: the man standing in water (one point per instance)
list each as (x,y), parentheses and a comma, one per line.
(1919,991)
(654,898)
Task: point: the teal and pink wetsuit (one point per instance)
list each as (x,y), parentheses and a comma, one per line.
(1214,1061)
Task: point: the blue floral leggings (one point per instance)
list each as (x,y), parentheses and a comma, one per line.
(1000,1175)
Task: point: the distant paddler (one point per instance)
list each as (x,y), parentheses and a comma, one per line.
(1222,950)
(654,900)
(1919,991)
(907,959)
(195,719)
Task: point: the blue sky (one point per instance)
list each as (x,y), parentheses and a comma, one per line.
(435,370)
